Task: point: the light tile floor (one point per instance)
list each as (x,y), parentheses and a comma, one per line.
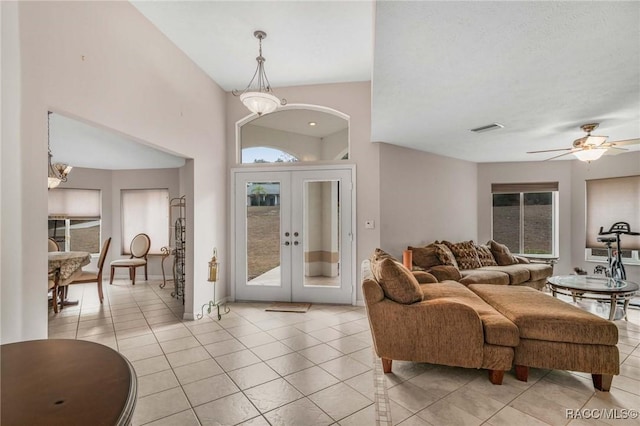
(272,368)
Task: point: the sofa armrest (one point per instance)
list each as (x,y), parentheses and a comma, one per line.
(445,272)
(424,277)
(435,331)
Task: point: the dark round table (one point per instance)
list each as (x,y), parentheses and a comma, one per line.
(65,382)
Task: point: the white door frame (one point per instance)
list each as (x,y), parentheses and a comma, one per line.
(280,168)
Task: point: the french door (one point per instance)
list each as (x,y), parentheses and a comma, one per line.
(293,236)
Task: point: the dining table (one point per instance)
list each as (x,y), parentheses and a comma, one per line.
(63,267)
(65,382)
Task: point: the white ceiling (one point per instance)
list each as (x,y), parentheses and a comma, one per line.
(82,145)
(441,68)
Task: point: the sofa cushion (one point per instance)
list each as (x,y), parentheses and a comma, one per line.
(518,274)
(485,256)
(425,257)
(445,272)
(484,276)
(379,254)
(397,282)
(445,255)
(540,316)
(498,330)
(465,254)
(501,253)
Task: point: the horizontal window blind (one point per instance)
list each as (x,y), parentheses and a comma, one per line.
(513,188)
(609,201)
(65,203)
(145,211)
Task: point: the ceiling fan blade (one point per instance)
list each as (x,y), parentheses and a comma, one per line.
(625,142)
(615,150)
(562,155)
(550,150)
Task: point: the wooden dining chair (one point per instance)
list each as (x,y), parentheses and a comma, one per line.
(53,245)
(91,276)
(139,249)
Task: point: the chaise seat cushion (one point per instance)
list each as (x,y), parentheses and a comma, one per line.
(498,330)
(540,316)
(484,276)
(518,273)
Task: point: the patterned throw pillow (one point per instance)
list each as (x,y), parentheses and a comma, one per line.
(445,255)
(485,256)
(501,253)
(465,254)
(380,254)
(397,282)
(425,257)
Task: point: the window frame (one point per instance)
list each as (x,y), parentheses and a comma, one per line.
(554,219)
(68,217)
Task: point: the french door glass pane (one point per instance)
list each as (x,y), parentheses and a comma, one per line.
(538,222)
(506,220)
(321,233)
(263,233)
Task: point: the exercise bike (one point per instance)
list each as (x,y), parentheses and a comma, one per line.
(615,267)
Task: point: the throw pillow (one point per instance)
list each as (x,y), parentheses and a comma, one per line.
(445,255)
(465,254)
(397,282)
(501,253)
(485,256)
(425,257)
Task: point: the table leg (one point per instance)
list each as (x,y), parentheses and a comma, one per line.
(625,306)
(614,306)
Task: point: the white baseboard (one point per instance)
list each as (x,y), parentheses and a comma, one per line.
(188,317)
(359,303)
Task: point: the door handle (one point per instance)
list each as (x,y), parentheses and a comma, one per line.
(286,234)
(295,243)
(286,243)
(295,234)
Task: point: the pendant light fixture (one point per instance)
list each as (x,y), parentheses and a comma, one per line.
(258,96)
(57,171)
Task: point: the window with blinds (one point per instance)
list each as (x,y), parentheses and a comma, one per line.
(524,217)
(609,201)
(145,211)
(75,218)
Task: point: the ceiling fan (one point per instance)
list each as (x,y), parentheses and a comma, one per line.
(589,147)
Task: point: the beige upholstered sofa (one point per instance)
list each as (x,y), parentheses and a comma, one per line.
(413,317)
(469,263)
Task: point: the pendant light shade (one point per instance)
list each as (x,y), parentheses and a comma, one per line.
(258,96)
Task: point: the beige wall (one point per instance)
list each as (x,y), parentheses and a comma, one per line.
(425,197)
(353,99)
(103,63)
(570,175)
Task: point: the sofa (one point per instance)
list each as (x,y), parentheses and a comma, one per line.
(470,263)
(415,317)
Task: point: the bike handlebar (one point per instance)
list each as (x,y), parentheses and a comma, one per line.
(619,228)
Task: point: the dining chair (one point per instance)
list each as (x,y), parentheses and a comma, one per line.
(53,245)
(139,249)
(91,276)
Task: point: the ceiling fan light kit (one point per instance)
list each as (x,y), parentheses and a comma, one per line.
(590,148)
(258,96)
(590,154)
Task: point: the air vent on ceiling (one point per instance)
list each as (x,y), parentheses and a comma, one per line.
(487,128)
